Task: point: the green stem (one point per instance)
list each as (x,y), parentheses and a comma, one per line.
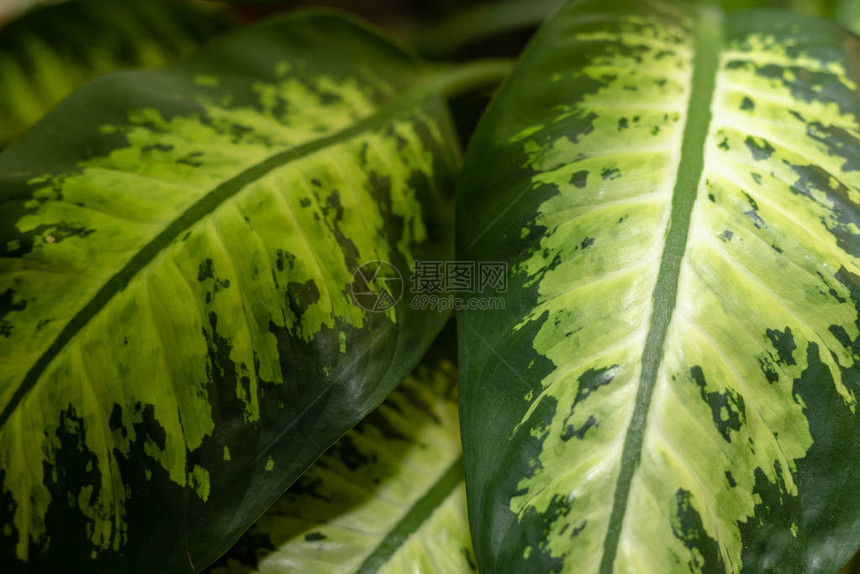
(480,22)
(470,77)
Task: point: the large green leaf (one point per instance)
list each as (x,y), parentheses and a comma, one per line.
(52,50)
(387,497)
(500,18)
(673,383)
(179,340)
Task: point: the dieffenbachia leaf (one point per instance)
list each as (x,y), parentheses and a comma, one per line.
(497,18)
(179,337)
(52,50)
(387,497)
(672,385)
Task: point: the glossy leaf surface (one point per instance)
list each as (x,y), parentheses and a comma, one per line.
(387,497)
(179,335)
(673,384)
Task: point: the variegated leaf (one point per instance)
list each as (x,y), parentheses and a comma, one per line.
(52,50)
(673,384)
(388,497)
(178,335)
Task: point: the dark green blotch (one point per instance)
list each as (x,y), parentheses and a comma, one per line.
(593,379)
(759,152)
(315,537)
(586,243)
(74,472)
(115,421)
(283,258)
(841,335)
(522,460)
(767,368)
(783,342)
(206,270)
(727,408)
(731,479)
(755,217)
(610,173)
(191,159)
(157,147)
(531,530)
(9,305)
(332,210)
(154,430)
(838,141)
(623,124)
(727,235)
(579,179)
(687,526)
(747,104)
(60,231)
(570,431)
(814,183)
(300,296)
(8,507)
(753,213)
(589,382)
(575,530)
(767,537)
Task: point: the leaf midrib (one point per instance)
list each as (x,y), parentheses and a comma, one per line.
(418,514)
(707,47)
(460,79)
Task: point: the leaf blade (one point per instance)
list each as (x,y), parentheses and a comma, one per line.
(405,460)
(239,313)
(587,130)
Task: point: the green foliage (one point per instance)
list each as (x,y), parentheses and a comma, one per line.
(180,341)
(675,192)
(51,51)
(387,497)
(671,384)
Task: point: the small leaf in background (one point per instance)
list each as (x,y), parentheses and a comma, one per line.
(52,50)
(672,385)
(387,497)
(179,340)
